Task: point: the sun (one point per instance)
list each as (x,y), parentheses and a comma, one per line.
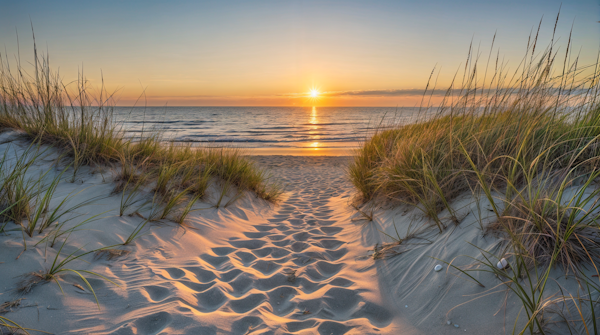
(314,93)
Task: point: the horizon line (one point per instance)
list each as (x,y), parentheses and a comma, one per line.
(275,106)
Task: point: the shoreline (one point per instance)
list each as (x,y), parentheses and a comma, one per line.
(302,152)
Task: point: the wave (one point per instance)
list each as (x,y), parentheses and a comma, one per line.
(150,122)
(254,140)
(256,126)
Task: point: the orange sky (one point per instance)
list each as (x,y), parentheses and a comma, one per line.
(271,53)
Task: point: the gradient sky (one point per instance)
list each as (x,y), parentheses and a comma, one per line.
(370,53)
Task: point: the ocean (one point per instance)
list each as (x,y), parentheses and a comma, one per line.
(291,130)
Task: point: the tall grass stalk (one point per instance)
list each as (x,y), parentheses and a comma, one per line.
(129,196)
(43,205)
(80,123)
(136,232)
(59,267)
(58,230)
(526,143)
(187,209)
(61,211)
(492,123)
(11,325)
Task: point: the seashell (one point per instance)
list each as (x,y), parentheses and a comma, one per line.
(438,268)
(455,325)
(502,264)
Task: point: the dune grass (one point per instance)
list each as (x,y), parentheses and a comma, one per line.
(487,133)
(528,142)
(79,122)
(51,274)
(10,326)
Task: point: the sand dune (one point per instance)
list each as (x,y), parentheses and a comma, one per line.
(302,266)
(250,268)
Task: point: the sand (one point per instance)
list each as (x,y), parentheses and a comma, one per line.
(253,267)
(301,266)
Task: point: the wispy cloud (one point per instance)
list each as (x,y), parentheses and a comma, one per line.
(379,93)
(374,93)
(400,93)
(443,92)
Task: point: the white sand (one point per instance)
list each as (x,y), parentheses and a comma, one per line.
(228,271)
(435,302)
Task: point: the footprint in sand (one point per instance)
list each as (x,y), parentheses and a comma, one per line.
(291,265)
(289,274)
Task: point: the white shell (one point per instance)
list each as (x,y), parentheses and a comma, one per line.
(502,264)
(438,268)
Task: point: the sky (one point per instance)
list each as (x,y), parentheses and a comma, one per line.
(272,53)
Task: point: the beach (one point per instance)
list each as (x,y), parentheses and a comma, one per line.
(253,267)
(315,261)
(301,266)
(299,167)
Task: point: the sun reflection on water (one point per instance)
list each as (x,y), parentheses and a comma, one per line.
(314,134)
(313,117)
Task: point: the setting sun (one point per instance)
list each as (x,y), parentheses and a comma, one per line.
(312,153)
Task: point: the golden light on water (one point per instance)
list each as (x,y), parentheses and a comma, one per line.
(314,129)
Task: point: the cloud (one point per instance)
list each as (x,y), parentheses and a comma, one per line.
(391,93)
(377,93)
(380,93)
(369,93)
(443,92)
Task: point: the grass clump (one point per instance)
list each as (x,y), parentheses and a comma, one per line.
(527,146)
(59,267)
(487,132)
(80,123)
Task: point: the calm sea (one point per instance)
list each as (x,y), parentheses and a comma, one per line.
(265,128)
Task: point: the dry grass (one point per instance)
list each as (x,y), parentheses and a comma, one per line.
(7,306)
(81,125)
(528,141)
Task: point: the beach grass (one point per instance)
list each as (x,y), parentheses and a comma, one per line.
(51,274)
(525,142)
(10,326)
(75,124)
(79,122)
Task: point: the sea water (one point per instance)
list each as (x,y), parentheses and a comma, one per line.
(270,129)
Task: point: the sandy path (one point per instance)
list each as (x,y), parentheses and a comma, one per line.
(299,267)
(294,268)
(330,287)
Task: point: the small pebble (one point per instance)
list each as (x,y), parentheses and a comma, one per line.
(406,306)
(438,268)
(448,322)
(455,325)
(502,264)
